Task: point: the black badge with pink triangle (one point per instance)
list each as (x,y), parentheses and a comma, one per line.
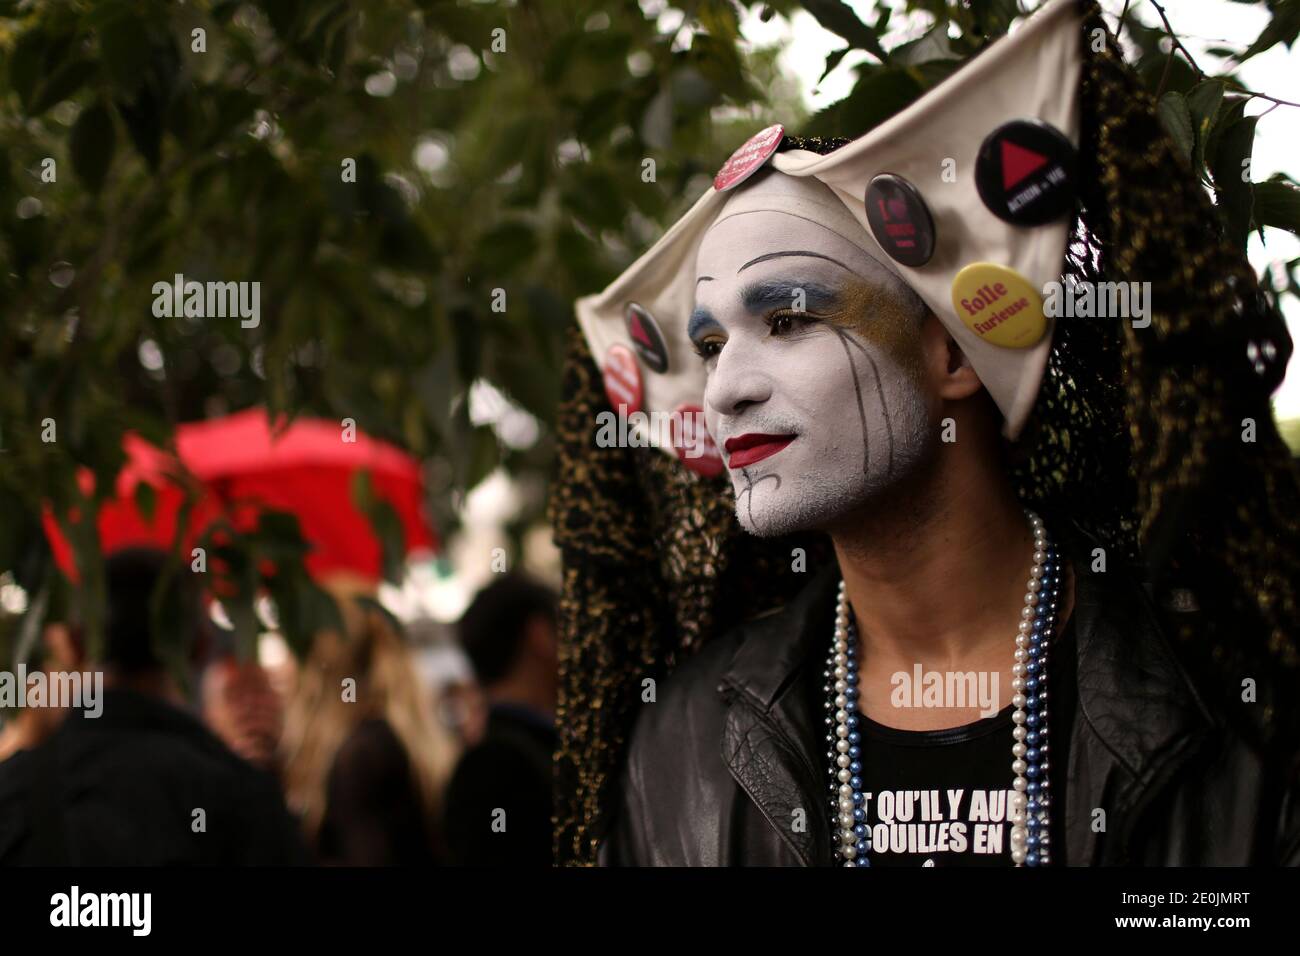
(1025,173)
(646,338)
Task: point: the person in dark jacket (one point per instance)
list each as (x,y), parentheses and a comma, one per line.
(964,684)
(971,670)
(720,768)
(499,800)
(142,782)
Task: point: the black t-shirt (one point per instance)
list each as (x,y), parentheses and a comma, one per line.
(940,797)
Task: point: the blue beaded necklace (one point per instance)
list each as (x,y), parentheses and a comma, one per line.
(1029,808)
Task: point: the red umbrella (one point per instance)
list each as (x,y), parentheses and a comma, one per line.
(307,469)
(120,521)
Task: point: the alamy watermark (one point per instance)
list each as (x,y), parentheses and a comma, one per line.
(1072,299)
(944,689)
(75,908)
(208,300)
(65,689)
(684,431)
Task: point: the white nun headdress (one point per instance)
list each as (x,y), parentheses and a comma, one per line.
(966,195)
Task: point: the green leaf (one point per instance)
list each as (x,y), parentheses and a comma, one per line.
(65,81)
(1283,28)
(1230,111)
(832,61)
(91,142)
(405,245)
(361,489)
(1203,106)
(143,119)
(143,63)
(485,452)
(716,62)
(123,43)
(1277,203)
(146,500)
(1203,102)
(286,17)
(242,613)
(718,17)
(384,522)
(839,18)
(388,528)
(1178,123)
(1236,197)
(280,535)
(993,17)
(25,65)
(934,45)
(1204,98)
(880,94)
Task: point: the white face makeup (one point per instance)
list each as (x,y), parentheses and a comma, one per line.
(816,410)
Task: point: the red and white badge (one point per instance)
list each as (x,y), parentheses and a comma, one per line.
(622,378)
(746,160)
(693,443)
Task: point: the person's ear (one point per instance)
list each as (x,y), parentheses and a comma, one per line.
(949,368)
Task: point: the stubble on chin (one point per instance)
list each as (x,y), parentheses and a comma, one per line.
(823,501)
(801,503)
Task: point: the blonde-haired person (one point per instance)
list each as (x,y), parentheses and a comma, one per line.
(365,762)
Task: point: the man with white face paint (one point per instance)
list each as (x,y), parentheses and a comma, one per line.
(933,642)
(829,383)
(817,386)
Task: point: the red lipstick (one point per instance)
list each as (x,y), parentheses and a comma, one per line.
(751,447)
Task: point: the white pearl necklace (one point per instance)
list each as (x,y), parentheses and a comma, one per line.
(1029,750)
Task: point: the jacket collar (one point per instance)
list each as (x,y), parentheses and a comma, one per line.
(771,741)
(779,643)
(1132,696)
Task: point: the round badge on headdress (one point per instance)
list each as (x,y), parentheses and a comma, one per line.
(646,337)
(745,161)
(999,305)
(693,443)
(622,378)
(1025,173)
(900,220)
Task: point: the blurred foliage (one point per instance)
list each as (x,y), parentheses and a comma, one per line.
(496,147)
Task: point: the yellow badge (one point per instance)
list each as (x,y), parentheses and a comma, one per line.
(999,305)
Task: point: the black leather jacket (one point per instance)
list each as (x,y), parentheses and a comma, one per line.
(717,767)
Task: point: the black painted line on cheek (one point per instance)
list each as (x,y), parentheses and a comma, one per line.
(846,340)
(884,410)
(749,490)
(862,415)
(880,394)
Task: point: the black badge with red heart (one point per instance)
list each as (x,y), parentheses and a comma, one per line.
(646,338)
(1025,173)
(900,220)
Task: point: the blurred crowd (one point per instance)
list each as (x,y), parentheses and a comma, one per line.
(349,756)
